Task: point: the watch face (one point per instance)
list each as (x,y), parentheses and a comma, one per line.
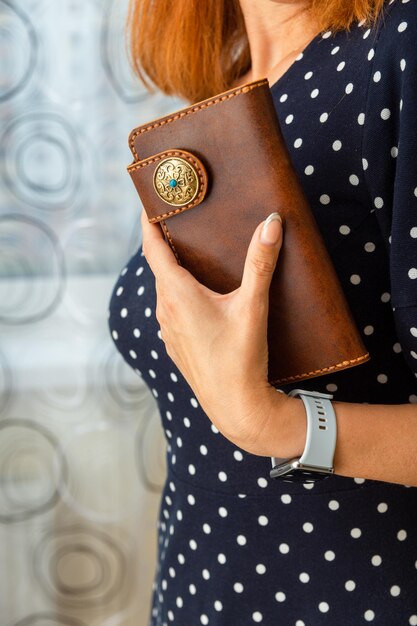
(294,472)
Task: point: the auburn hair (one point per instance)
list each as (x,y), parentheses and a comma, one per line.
(195,49)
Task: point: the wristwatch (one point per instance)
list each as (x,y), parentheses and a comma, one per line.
(316,462)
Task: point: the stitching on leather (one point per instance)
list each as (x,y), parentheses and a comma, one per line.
(321,371)
(190,111)
(184,156)
(171,243)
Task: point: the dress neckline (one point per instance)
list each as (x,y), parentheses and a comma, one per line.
(301,56)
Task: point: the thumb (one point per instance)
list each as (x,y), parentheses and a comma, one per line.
(262,257)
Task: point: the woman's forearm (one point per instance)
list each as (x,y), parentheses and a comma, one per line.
(219,343)
(374,441)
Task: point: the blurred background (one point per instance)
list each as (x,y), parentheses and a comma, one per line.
(81,449)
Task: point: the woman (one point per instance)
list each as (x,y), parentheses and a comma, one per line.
(235,546)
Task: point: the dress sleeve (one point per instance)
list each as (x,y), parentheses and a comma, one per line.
(390,161)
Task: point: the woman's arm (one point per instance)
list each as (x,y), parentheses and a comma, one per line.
(374,441)
(219,343)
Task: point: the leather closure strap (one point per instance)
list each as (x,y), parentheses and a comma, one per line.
(169,183)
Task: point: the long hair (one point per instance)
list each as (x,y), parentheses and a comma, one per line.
(195,49)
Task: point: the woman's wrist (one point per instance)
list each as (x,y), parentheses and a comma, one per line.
(294,419)
(284,434)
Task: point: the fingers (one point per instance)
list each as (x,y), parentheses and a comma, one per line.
(262,257)
(170,276)
(260,262)
(156,250)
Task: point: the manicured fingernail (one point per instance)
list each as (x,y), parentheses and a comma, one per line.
(271,229)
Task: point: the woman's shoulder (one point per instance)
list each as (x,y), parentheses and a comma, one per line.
(397,31)
(393,67)
(389,145)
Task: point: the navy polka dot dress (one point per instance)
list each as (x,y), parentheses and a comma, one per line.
(235,547)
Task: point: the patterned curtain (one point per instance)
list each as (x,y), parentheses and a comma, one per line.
(81,449)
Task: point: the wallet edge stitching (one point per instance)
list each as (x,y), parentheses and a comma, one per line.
(343,364)
(171,243)
(189,111)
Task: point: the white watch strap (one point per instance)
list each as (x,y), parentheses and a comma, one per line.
(321,429)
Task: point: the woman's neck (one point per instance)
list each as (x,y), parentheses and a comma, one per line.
(278,30)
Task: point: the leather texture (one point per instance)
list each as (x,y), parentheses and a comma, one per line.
(246,174)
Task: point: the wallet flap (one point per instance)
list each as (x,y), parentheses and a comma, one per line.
(169,183)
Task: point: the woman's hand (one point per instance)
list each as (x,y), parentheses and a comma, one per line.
(219,341)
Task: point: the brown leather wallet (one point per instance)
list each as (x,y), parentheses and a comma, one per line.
(209,174)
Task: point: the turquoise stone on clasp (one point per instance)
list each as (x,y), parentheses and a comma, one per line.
(173,183)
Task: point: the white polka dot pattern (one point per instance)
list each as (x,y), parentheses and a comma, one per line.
(234,546)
